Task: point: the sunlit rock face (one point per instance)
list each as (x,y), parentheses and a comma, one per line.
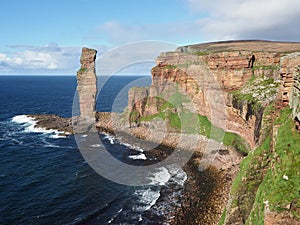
(87,84)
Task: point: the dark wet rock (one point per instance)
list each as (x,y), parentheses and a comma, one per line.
(53,122)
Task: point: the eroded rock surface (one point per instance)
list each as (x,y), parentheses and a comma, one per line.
(87,83)
(53,122)
(209,73)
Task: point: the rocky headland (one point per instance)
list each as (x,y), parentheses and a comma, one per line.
(235,105)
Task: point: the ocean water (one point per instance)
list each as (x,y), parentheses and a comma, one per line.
(45,180)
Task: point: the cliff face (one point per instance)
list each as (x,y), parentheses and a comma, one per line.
(250,85)
(198,74)
(232,70)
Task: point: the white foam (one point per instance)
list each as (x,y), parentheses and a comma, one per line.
(112,219)
(96,145)
(164,175)
(161,177)
(110,138)
(177,174)
(147,197)
(57,135)
(133,147)
(16,141)
(30,127)
(139,156)
(85,135)
(23,119)
(50,145)
(140,218)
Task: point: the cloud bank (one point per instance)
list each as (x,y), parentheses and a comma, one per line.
(49,59)
(239,19)
(217,20)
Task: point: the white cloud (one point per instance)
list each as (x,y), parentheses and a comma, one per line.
(49,59)
(38,60)
(268,19)
(217,20)
(51,47)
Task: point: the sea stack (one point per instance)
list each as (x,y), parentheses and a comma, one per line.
(87,84)
(87,88)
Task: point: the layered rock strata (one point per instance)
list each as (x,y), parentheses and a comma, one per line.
(87,84)
(203,73)
(87,91)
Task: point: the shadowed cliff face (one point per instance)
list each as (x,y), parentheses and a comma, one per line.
(87,84)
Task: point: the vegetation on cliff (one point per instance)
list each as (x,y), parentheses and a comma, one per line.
(257,93)
(271,174)
(280,189)
(180,119)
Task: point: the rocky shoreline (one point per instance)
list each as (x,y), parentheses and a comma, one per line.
(205,193)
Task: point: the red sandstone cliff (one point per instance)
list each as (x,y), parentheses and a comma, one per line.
(235,82)
(210,73)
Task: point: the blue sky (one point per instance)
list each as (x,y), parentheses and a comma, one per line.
(45,36)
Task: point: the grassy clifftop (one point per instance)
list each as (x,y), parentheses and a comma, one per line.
(243,45)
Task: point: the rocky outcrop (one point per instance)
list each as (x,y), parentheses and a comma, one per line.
(87,84)
(53,122)
(231,68)
(290,74)
(87,92)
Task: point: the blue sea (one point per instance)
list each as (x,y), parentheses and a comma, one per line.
(44,179)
